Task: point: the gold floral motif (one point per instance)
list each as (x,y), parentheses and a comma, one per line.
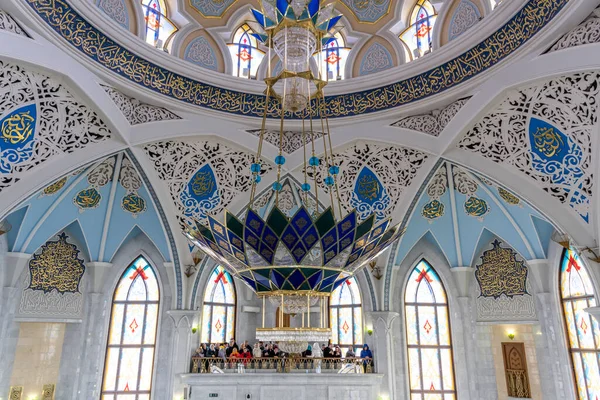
(55,187)
(501,273)
(508,196)
(532,17)
(48,392)
(18,127)
(57,267)
(87,198)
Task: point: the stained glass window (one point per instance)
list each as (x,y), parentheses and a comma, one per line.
(245,54)
(431,368)
(417,38)
(333,59)
(577,294)
(159,29)
(345,315)
(218,311)
(132,335)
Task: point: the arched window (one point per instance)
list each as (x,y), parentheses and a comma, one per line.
(577,294)
(218,312)
(345,315)
(333,59)
(245,54)
(430,364)
(132,334)
(418,37)
(159,28)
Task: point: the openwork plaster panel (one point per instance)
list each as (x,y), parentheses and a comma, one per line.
(8,23)
(200,52)
(544,131)
(465,16)
(373,177)
(292,140)
(52,287)
(502,286)
(434,122)
(40,119)
(116,10)
(203,177)
(138,112)
(376,59)
(585,33)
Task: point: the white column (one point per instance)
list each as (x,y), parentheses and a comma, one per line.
(182,347)
(384,353)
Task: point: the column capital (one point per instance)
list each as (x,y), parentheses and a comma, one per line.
(180,317)
(594,312)
(462,279)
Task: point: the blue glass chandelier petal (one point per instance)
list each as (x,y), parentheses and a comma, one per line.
(301,221)
(260,18)
(290,237)
(313,7)
(282,6)
(333,21)
(315,279)
(296,278)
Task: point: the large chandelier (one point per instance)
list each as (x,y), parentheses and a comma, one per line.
(296,260)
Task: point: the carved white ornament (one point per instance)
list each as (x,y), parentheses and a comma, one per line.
(128,177)
(465,16)
(570,104)
(116,10)
(201,53)
(137,112)
(292,140)
(8,23)
(395,166)
(587,32)
(64,124)
(377,58)
(176,162)
(434,122)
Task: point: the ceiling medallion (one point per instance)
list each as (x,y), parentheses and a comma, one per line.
(296,260)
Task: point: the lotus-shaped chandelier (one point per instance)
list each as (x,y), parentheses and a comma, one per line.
(310,252)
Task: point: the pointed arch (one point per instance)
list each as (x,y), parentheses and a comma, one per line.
(130,349)
(577,293)
(246,56)
(418,37)
(428,335)
(345,316)
(219,307)
(332,59)
(159,29)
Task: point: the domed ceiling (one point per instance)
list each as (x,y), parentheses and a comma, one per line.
(114,147)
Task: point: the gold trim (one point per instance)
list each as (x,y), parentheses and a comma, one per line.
(294,293)
(294,266)
(324,330)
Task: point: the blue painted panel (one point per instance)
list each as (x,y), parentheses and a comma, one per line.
(18,133)
(441,228)
(122,222)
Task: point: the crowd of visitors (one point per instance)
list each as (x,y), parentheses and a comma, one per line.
(271,350)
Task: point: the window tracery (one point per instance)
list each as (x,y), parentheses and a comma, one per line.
(332,59)
(218,311)
(345,316)
(245,55)
(430,360)
(132,334)
(577,294)
(418,37)
(159,29)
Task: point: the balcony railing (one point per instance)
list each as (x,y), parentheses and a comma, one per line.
(517,383)
(283,365)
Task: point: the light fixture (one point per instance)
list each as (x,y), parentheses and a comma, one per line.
(562,239)
(510,334)
(299,258)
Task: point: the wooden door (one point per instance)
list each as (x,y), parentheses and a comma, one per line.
(515,369)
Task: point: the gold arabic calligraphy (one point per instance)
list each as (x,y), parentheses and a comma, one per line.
(501,273)
(548,142)
(368,188)
(18,127)
(203,183)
